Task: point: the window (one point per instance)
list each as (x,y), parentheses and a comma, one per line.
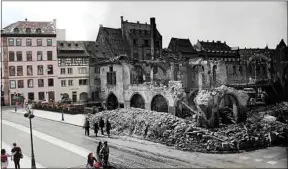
(234,70)
(19,70)
(19,55)
(49,55)
(157,45)
(11,42)
(50,82)
(97,82)
(30,83)
(12,84)
(70,70)
(28,42)
(28,30)
(50,69)
(62,71)
(16,30)
(49,42)
(18,42)
(146,43)
(82,70)
(70,82)
(20,83)
(63,83)
(97,70)
(11,56)
(11,70)
(29,70)
(135,42)
(40,82)
(83,82)
(38,30)
(241,70)
(40,69)
(41,96)
(111,78)
(29,55)
(39,42)
(39,55)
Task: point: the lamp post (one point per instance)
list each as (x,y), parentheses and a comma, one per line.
(30,115)
(62,107)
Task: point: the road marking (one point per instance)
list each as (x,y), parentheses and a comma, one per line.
(258,160)
(244,158)
(272,162)
(60,143)
(25,162)
(269,156)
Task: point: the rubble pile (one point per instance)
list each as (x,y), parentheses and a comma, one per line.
(256,132)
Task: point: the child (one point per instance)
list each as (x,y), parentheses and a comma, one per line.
(4,158)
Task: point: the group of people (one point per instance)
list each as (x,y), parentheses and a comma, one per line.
(102,156)
(15,155)
(96,126)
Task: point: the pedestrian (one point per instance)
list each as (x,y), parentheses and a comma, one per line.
(105,152)
(90,160)
(99,147)
(101,125)
(4,158)
(86,127)
(108,127)
(96,128)
(17,155)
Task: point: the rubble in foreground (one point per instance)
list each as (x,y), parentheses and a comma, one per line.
(261,129)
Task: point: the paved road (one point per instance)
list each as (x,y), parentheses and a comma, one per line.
(63,145)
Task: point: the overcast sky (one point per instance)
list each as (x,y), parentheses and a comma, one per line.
(243,24)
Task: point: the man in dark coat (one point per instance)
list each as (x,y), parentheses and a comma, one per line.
(17,155)
(96,128)
(101,125)
(86,127)
(108,127)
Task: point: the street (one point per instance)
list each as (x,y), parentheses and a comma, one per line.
(63,145)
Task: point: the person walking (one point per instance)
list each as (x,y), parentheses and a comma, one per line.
(99,147)
(101,125)
(96,128)
(86,127)
(105,152)
(17,155)
(4,158)
(108,127)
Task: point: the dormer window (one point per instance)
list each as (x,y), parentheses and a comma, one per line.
(16,30)
(28,30)
(76,44)
(62,44)
(38,30)
(69,44)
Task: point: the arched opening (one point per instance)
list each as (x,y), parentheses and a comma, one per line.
(93,96)
(214,74)
(112,102)
(159,104)
(137,101)
(83,96)
(197,76)
(228,109)
(259,67)
(182,111)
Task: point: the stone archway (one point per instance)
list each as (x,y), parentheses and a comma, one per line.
(159,103)
(83,96)
(112,102)
(228,108)
(259,66)
(137,101)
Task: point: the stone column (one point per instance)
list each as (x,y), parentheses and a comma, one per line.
(171,110)
(148,106)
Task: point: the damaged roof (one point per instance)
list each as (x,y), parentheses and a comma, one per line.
(73,48)
(183,45)
(21,27)
(246,53)
(213,46)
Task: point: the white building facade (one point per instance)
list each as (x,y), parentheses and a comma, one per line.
(73,68)
(30,61)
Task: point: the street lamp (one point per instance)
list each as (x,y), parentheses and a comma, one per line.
(30,115)
(62,106)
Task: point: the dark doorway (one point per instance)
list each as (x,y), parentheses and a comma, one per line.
(51,95)
(74,96)
(159,104)
(137,101)
(112,102)
(12,99)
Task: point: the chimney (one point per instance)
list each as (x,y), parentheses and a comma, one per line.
(121,18)
(145,23)
(26,19)
(100,26)
(138,22)
(153,37)
(54,23)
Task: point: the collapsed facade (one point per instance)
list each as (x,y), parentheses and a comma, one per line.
(136,72)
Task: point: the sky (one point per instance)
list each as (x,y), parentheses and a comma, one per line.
(242,24)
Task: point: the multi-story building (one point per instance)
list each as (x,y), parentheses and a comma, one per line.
(73,68)
(29,60)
